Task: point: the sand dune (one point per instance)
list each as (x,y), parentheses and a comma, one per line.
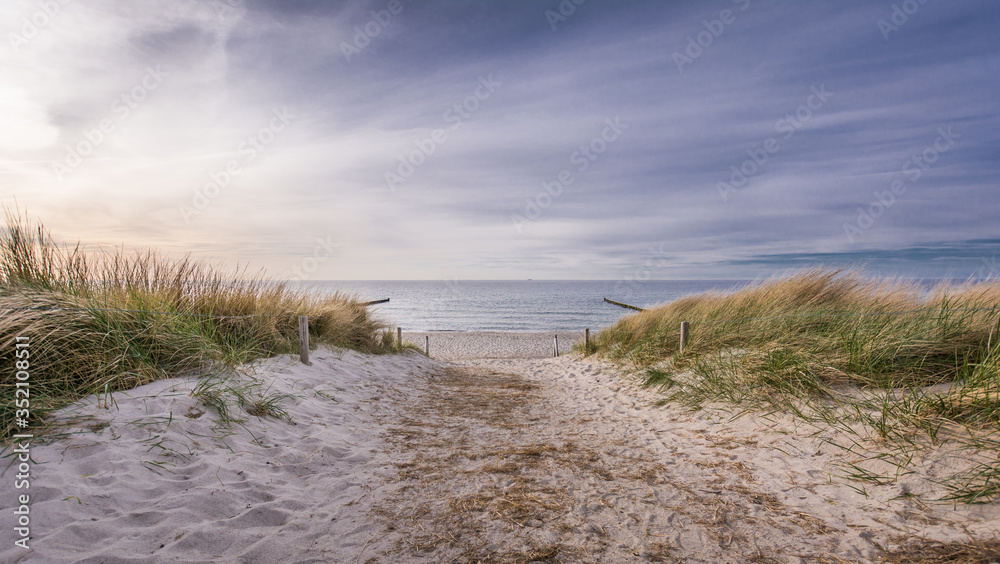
(152,476)
(407,459)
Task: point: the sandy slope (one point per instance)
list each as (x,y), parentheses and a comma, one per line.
(402,458)
(267,491)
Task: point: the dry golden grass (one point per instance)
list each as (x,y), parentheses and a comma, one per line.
(99,322)
(827,323)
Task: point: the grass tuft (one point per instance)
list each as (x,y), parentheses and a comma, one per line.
(104,321)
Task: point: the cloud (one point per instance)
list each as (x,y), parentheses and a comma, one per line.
(475,159)
(27,126)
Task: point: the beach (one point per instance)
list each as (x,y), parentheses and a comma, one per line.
(489,451)
(451,346)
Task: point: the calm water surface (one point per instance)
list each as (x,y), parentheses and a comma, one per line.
(523,305)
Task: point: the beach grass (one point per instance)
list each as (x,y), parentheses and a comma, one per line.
(905,364)
(103,321)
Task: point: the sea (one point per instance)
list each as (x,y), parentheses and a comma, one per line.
(512,305)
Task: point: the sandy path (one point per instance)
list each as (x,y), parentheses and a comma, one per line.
(514,466)
(562,460)
(499,471)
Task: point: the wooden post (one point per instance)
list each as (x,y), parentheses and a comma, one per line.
(399,337)
(586,341)
(304,339)
(555,346)
(427,345)
(685,327)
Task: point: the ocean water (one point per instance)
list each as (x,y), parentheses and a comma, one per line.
(521,305)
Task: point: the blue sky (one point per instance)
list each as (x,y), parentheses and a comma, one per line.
(501,140)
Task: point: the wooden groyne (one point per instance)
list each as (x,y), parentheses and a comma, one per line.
(375,302)
(619,304)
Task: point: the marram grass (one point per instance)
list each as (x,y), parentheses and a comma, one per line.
(923,361)
(837,326)
(107,321)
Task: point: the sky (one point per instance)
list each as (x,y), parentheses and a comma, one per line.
(546,139)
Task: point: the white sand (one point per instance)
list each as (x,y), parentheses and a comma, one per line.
(416,460)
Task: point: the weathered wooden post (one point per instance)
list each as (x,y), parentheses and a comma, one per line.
(586,341)
(427,345)
(555,346)
(304,339)
(685,327)
(399,337)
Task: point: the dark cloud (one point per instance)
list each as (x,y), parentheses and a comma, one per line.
(180,44)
